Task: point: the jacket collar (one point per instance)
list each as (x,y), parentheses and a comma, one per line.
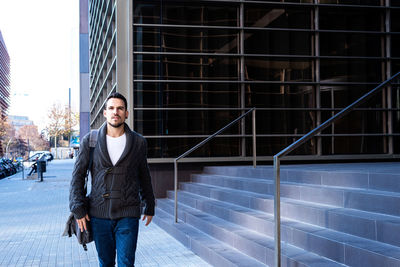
(102,141)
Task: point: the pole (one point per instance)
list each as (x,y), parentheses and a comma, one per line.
(254,140)
(69,117)
(176,190)
(277,212)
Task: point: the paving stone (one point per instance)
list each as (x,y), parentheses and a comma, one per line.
(33,219)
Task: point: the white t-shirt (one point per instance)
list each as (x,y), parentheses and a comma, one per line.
(115,147)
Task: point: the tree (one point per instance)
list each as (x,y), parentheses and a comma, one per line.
(36,140)
(7,134)
(61,122)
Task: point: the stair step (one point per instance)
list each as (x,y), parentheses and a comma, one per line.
(208,248)
(249,242)
(328,243)
(373,226)
(366,200)
(364,176)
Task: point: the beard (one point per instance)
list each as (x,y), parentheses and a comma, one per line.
(116,125)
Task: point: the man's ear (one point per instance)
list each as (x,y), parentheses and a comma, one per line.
(126,114)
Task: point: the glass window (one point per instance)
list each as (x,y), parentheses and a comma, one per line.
(357,122)
(176,122)
(353,145)
(395,44)
(200,40)
(351,70)
(395,22)
(284,122)
(277,42)
(352,2)
(182,67)
(173,147)
(395,66)
(395,3)
(340,96)
(186,95)
(274,69)
(280,96)
(351,44)
(196,14)
(273,145)
(357,19)
(264,16)
(146,39)
(147,67)
(146,12)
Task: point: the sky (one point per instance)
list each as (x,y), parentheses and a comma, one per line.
(42,39)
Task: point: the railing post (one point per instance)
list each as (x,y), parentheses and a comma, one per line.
(277,211)
(254,139)
(176,189)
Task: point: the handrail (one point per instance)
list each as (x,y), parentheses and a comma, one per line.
(301,141)
(253,110)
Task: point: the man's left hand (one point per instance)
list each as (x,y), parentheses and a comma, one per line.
(148,217)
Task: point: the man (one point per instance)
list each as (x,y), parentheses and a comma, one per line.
(120,179)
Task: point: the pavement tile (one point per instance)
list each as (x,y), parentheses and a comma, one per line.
(33,219)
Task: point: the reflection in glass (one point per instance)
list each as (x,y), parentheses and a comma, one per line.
(197,57)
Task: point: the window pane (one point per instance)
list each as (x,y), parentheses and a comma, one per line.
(395,3)
(146,39)
(284,122)
(263,16)
(200,40)
(176,122)
(351,70)
(273,145)
(395,66)
(334,96)
(352,2)
(395,44)
(353,145)
(174,147)
(178,67)
(395,22)
(341,44)
(146,12)
(277,42)
(280,96)
(197,14)
(265,69)
(186,95)
(358,19)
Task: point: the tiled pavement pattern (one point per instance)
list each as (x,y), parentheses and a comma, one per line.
(32,219)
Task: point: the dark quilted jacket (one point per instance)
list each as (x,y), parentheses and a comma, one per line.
(117,190)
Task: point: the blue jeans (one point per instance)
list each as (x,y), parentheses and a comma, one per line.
(112,236)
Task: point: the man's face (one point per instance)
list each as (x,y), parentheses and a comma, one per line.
(115,112)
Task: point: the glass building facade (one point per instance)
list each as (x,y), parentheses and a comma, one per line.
(4,78)
(191,67)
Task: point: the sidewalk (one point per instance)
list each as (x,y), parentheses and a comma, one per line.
(33,216)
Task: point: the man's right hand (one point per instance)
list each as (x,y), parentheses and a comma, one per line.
(82,222)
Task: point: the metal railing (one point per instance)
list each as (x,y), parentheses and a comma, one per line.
(298,143)
(253,111)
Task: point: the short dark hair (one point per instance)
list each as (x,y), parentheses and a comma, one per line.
(117,95)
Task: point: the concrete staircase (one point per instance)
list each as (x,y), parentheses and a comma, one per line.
(332,215)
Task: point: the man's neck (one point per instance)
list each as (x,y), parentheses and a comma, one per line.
(115,132)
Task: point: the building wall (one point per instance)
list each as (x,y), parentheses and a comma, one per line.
(19,121)
(197,66)
(4,78)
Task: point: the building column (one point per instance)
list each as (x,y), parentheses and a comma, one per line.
(124,50)
(84,101)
